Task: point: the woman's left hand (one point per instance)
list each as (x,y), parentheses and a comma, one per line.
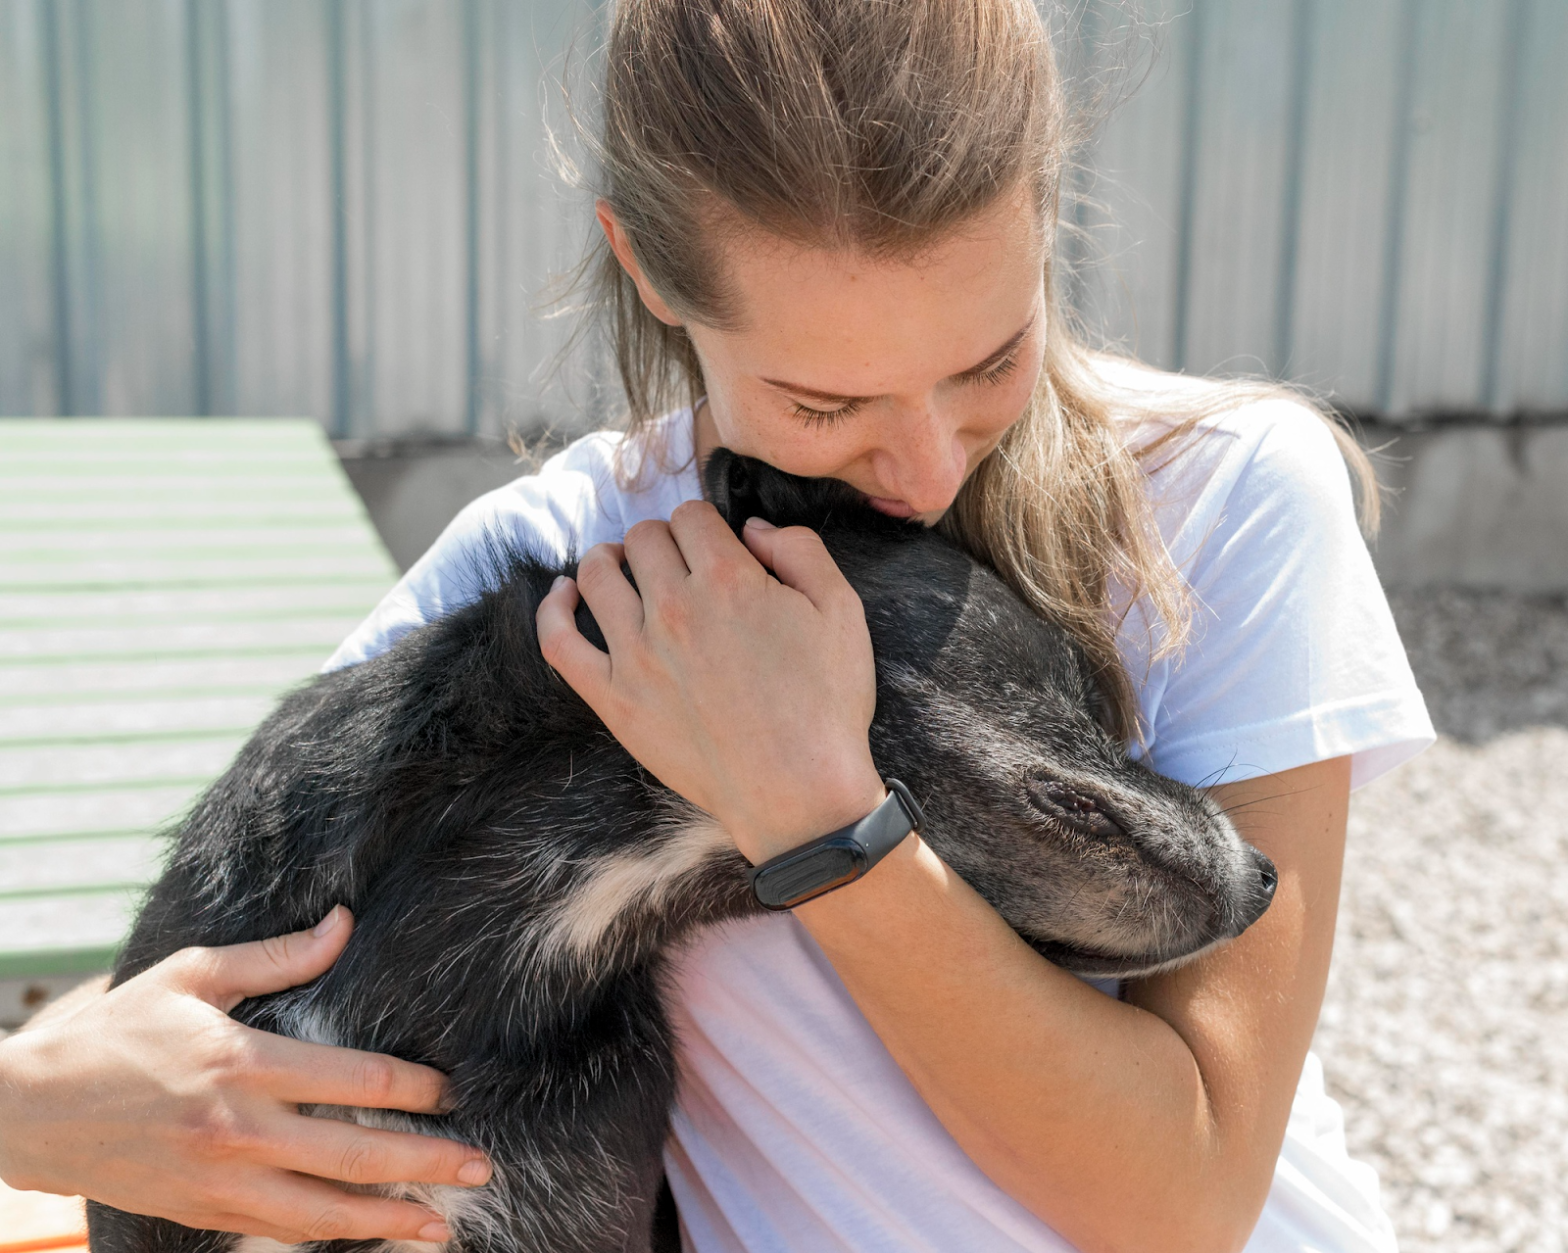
(748,694)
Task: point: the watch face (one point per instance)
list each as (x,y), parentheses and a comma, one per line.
(796,877)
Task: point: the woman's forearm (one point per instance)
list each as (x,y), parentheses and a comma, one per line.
(1154,1124)
(1091,1112)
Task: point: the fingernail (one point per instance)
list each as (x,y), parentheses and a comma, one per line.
(560,581)
(328,924)
(476,1171)
(435,1233)
(759,524)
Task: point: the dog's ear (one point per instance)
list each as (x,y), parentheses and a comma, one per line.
(730,486)
(743,487)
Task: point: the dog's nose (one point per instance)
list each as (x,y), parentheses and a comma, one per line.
(1255,902)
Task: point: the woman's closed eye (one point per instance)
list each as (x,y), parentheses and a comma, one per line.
(995,373)
(818,418)
(826,417)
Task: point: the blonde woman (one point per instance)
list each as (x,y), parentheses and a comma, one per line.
(827,243)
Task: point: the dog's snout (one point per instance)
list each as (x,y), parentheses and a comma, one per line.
(1073,809)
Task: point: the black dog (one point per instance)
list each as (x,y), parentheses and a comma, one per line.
(519,880)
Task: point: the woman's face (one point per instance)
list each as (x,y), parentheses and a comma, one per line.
(896,376)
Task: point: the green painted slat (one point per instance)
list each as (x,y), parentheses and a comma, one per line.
(13,665)
(196,638)
(229,604)
(24,684)
(352,535)
(236,434)
(34,768)
(118,493)
(139,809)
(44,963)
(49,841)
(79,620)
(162,515)
(173,546)
(144,572)
(195,584)
(25,791)
(233,731)
(53,460)
(82,864)
(40,723)
(204,483)
(89,698)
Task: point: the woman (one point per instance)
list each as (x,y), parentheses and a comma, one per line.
(827,227)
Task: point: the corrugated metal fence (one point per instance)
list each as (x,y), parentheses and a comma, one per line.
(345,208)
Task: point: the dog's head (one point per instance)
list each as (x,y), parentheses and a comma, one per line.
(991,716)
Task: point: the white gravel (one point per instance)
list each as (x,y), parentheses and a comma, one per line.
(1445,1030)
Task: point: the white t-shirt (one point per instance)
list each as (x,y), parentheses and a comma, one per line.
(795,1131)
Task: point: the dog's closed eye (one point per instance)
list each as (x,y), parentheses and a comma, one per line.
(1075,810)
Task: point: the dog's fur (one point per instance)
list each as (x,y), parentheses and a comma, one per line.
(519,881)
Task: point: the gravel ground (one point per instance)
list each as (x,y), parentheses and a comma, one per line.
(1445,1030)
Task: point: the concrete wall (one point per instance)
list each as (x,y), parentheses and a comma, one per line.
(1477,505)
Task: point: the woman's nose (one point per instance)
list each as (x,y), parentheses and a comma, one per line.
(923,459)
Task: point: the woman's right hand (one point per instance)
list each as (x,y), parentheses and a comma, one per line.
(151,1099)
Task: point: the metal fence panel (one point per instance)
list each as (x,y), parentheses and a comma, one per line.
(1531,330)
(346,208)
(1345,188)
(28,380)
(274,289)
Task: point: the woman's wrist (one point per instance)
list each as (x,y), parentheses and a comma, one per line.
(815,809)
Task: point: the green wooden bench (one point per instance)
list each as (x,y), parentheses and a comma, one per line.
(161,582)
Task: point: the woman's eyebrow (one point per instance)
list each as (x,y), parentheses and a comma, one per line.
(963,376)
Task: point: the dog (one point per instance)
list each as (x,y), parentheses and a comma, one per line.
(520,882)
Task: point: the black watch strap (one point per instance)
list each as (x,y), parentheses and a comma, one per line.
(840,857)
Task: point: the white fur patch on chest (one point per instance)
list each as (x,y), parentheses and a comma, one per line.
(610,889)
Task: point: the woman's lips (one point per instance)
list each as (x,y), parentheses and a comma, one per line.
(893,508)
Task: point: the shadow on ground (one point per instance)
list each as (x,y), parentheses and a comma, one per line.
(1488,662)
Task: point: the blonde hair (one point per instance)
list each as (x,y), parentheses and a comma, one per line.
(875,126)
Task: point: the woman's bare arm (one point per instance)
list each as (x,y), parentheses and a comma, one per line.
(152,1099)
(1149,1124)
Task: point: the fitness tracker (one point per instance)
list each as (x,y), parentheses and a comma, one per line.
(841,857)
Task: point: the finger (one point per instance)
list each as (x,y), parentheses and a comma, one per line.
(297,1208)
(616,604)
(705,539)
(332,1149)
(224,976)
(655,557)
(585,668)
(799,559)
(303,1073)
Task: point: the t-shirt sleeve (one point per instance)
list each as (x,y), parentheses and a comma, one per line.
(1294,656)
(556,514)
